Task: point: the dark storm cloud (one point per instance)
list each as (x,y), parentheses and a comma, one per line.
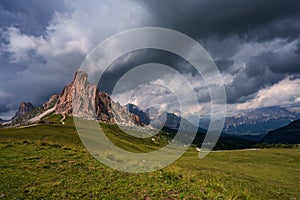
(252,21)
(31,16)
(288,64)
(261,71)
(223,64)
(139,57)
(3,106)
(288,28)
(205,18)
(298,48)
(247,83)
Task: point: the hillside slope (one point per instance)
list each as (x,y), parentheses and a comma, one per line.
(289,134)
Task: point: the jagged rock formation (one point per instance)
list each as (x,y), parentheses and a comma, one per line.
(80,99)
(24,113)
(123,116)
(23,109)
(51,102)
(104,108)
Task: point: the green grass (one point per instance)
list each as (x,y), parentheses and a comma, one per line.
(49,162)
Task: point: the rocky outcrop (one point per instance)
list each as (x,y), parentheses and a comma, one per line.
(123,116)
(78,98)
(82,99)
(23,109)
(51,102)
(25,112)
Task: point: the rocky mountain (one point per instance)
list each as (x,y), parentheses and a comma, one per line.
(80,99)
(289,134)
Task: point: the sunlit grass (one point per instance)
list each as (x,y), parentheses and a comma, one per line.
(49,161)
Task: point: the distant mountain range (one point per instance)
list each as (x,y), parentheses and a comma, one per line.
(255,123)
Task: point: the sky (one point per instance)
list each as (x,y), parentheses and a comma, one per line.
(255,45)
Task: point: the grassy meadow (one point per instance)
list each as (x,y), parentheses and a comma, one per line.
(48,161)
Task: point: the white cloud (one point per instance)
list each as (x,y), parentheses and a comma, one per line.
(20,45)
(286,92)
(79,31)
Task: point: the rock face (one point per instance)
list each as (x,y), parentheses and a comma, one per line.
(51,102)
(78,98)
(82,99)
(23,109)
(24,113)
(123,116)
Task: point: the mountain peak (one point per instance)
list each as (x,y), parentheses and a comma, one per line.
(23,108)
(78,98)
(80,78)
